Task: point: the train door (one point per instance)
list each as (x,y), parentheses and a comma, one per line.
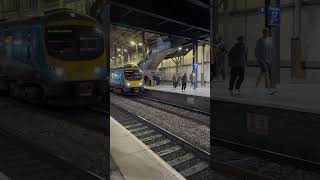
(2,50)
(3,78)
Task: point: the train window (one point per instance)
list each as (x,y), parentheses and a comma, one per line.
(116,75)
(22,46)
(74,42)
(133,74)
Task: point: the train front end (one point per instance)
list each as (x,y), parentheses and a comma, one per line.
(133,80)
(76,60)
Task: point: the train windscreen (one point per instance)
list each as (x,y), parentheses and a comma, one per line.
(74,42)
(133,74)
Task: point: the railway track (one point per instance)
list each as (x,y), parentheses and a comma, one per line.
(21,160)
(236,161)
(194,115)
(72,115)
(262,164)
(190,161)
(178,106)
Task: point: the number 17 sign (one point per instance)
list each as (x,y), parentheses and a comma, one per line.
(274,16)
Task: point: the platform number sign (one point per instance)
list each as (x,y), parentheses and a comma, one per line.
(258,124)
(274,16)
(195,66)
(190,100)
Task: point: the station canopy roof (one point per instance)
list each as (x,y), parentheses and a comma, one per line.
(188,19)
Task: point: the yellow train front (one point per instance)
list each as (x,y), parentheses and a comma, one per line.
(58,57)
(127,79)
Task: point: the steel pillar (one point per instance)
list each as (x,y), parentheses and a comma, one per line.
(19,8)
(212,39)
(296,65)
(143,45)
(195,61)
(275,33)
(275,65)
(202,64)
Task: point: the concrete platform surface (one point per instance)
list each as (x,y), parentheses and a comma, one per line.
(3,176)
(200,91)
(299,95)
(134,159)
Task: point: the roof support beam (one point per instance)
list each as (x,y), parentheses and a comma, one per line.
(151,31)
(199,3)
(158,16)
(126,13)
(162,22)
(187,29)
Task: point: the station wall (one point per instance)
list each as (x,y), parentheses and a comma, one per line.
(248,22)
(243,18)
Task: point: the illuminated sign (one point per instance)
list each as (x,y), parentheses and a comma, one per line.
(59,31)
(274,16)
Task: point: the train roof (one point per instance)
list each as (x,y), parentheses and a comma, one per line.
(126,66)
(56,14)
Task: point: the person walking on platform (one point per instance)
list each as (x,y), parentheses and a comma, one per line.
(179,80)
(263,54)
(174,81)
(184,80)
(221,53)
(193,79)
(237,62)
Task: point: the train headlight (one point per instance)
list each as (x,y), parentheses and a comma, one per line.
(128,84)
(59,71)
(141,84)
(98,69)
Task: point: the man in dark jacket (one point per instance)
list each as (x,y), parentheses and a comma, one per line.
(237,62)
(184,80)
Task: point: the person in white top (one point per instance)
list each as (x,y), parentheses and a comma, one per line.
(263,53)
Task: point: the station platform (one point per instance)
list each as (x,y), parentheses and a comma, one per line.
(297,95)
(191,98)
(3,176)
(286,122)
(134,159)
(203,91)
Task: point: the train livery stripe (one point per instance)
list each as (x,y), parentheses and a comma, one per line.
(77,70)
(74,22)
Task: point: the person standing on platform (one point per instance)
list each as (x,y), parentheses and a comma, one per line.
(220,64)
(191,79)
(146,79)
(174,81)
(263,53)
(179,80)
(237,63)
(184,80)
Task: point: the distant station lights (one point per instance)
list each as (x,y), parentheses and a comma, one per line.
(181,48)
(135,44)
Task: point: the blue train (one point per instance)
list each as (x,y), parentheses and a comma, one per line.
(126,79)
(58,56)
